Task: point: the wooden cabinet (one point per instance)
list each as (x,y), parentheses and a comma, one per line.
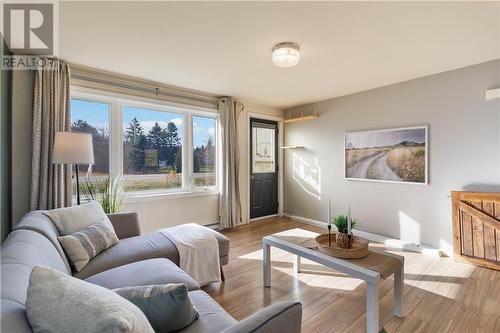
(476,228)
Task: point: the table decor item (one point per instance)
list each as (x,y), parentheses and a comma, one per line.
(358,249)
(344,226)
(329,219)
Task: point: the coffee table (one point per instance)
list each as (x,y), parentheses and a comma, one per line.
(301,243)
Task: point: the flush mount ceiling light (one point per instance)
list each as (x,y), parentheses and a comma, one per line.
(286,55)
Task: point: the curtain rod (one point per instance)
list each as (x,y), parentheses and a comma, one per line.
(122,81)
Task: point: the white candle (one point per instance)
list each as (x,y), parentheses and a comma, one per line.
(349,221)
(329,217)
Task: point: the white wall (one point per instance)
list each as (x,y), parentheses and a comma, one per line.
(161,212)
(464,153)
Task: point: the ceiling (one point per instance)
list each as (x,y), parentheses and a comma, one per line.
(225,47)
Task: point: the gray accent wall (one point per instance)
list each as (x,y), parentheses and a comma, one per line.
(22,110)
(5,146)
(464,153)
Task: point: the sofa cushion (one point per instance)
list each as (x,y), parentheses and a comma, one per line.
(143,273)
(279,317)
(130,250)
(167,306)
(58,302)
(13,317)
(212,317)
(85,244)
(21,251)
(37,221)
(125,224)
(72,219)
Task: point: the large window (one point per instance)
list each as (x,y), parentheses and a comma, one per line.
(156,147)
(152,149)
(204,152)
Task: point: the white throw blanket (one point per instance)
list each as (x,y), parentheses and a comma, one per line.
(198,251)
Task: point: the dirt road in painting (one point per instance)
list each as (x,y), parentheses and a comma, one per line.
(372,167)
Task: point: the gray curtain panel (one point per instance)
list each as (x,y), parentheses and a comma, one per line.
(229,200)
(50,183)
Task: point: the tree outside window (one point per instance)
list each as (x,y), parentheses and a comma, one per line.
(152,149)
(204,151)
(93,118)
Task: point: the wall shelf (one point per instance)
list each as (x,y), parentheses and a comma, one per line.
(292,147)
(492,94)
(301,118)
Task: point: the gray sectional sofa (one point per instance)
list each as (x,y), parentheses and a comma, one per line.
(135,260)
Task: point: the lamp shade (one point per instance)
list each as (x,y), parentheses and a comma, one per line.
(73,148)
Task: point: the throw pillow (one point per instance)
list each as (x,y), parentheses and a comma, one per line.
(57,302)
(71,219)
(83,245)
(167,307)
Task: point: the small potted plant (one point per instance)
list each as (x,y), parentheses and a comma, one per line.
(342,224)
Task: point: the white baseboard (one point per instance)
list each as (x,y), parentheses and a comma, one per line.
(389,242)
(214,226)
(263,217)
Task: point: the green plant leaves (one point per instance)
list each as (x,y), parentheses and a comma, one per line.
(106,190)
(340,222)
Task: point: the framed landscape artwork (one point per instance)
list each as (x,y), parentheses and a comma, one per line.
(389,155)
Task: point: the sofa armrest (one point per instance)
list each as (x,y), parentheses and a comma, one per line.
(125,224)
(276,318)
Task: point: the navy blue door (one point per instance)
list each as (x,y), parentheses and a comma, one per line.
(263,168)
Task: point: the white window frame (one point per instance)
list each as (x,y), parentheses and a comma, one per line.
(191,155)
(117,101)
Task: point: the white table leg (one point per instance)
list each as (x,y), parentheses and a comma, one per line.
(296,264)
(372,308)
(267,264)
(399,283)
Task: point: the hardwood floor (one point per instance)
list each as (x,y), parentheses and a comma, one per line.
(441,295)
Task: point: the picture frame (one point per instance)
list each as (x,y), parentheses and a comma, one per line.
(394,155)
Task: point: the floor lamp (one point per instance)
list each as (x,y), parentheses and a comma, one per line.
(73,148)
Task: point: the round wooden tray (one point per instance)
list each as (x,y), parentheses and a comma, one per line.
(359,247)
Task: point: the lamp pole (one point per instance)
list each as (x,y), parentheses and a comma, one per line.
(77,185)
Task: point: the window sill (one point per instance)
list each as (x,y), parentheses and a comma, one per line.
(152,196)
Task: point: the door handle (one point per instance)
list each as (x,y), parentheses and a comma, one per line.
(252,177)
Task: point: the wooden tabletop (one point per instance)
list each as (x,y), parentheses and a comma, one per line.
(383,262)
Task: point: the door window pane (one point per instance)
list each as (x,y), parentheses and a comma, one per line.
(204,151)
(93,117)
(263,150)
(152,149)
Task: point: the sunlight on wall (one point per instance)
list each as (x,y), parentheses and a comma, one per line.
(409,229)
(307,176)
